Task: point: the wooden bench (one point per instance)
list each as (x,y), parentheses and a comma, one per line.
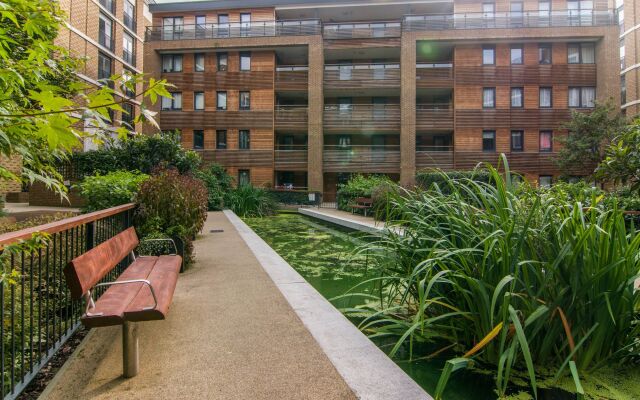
(143,292)
(362,203)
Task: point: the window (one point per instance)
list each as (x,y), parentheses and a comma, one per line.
(245,61)
(517,95)
(544,13)
(221,100)
(546,141)
(517,14)
(580,12)
(223,25)
(223,59)
(198,100)
(517,54)
(198,62)
(488,140)
(545,180)
(488,55)
(582,97)
(201,26)
(129,15)
(128,83)
(128,115)
(581,53)
(173,103)
(245,100)
(244,178)
(345,105)
(517,140)
(488,97)
(172,63)
(245,24)
(104,67)
(198,139)
(109,5)
(622,54)
(128,52)
(488,9)
(172,28)
(623,90)
(105,31)
(544,54)
(244,142)
(545,97)
(221,140)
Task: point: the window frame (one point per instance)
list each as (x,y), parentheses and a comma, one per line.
(549,47)
(102,56)
(241,172)
(493,105)
(580,45)
(512,147)
(195,101)
(245,55)
(244,144)
(246,94)
(521,89)
(219,57)
(219,133)
(103,19)
(516,47)
(582,102)
(493,54)
(173,63)
(195,62)
(226,100)
(130,116)
(173,102)
(494,139)
(545,149)
(199,131)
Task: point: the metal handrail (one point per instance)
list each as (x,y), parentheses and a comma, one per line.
(434,149)
(292,68)
(434,106)
(362,107)
(434,65)
(364,66)
(291,107)
(392,147)
(234,29)
(293,147)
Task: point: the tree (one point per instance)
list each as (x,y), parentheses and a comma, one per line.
(588,134)
(621,164)
(42,102)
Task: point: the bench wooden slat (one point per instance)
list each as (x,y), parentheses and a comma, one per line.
(163,278)
(84,271)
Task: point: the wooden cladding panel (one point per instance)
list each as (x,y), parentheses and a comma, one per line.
(367,162)
(291,160)
(539,163)
(363,79)
(434,159)
(294,119)
(565,74)
(292,80)
(521,118)
(216,119)
(239,158)
(200,81)
(367,43)
(434,77)
(434,119)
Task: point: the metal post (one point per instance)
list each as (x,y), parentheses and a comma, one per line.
(130,359)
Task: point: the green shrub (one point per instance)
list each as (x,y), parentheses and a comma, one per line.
(523,288)
(139,153)
(360,186)
(426,179)
(174,205)
(110,190)
(294,197)
(250,201)
(218,184)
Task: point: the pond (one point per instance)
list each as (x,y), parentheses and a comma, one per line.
(325,255)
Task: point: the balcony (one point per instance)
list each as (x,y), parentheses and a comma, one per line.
(362,76)
(239,158)
(528,19)
(292,77)
(434,157)
(291,118)
(369,117)
(434,75)
(364,158)
(291,157)
(518,161)
(438,116)
(362,30)
(234,30)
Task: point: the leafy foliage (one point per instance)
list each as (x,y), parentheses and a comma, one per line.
(218,184)
(41,100)
(110,190)
(140,153)
(588,134)
(172,204)
(34,221)
(360,186)
(520,286)
(428,178)
(250,201)
(294,197)
(622,158)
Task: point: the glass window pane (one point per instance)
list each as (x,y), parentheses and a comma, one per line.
(222,61)
(488,99)
(588,53)
(517,141)
(516,55)
(488,56)
(544,56)
(198,139)
(221,139)
(245,61)
(573,54)
(545,97)
(516,97)
(198,101)
(546,140)
(244,141)
(574,97)
(488,140)
(177,63)
(177,101)
(199,62)
(588,97)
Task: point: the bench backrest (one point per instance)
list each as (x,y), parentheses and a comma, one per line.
(84,271)
(364,201)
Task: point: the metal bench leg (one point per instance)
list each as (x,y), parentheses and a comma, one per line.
(130,360)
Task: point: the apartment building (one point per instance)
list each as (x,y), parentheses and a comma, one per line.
(301,94)
(629,20)
(109,34)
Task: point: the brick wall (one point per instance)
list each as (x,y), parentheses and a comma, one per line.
(14,165)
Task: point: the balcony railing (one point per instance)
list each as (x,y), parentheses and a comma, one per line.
(379,74)
(129,57)
(291,156)
(434,116)
(234,30)
(361,158)
(291,117)
(528,19)
(292,77)
(362,116)
(434,75)
(362,30)
(434,157)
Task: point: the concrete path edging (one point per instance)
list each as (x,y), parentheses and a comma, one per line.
(368,371)
(341,221)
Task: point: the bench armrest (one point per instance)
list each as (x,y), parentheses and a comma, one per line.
(175,248)
(90,302)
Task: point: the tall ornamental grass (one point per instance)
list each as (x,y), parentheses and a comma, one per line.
(513,284)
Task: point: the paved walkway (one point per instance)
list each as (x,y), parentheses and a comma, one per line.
(230,334)
(344,218)
(25,207)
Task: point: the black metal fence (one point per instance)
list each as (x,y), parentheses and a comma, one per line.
(38,314)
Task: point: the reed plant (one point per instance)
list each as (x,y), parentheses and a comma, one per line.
(515,284)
